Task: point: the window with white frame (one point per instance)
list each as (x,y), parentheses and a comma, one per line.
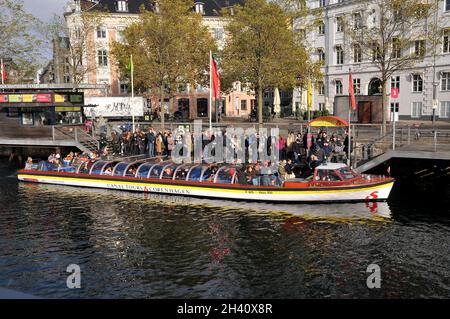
(445,81)
(357,53)
(357,86)
(444,110)
(199,8)
(447,5)
(419,48)
(102,56)
(396,49)
(120,34)
(357,20)
(339,87)
(395,82)
(376,52)
(321,107)
(322,3)
(101,32)
(321,88)
(340,24)
(416,109)
(446,41)
(321,28)
(417,83)
(122,6)
(339,55)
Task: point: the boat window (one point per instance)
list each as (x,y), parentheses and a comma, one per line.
(85,167)
(120,168)
(42,166)
(195,173)
(46,166)
(108,168)
(327,175)
(131,170)
(97,167)
(225,175)
(209,173)
(168,171)
(155,171)
(347,173)
(142,171)
(67,169)
(181,172)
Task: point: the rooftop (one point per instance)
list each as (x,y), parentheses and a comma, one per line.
(210,7)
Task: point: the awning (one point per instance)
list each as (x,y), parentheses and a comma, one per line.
(326,121)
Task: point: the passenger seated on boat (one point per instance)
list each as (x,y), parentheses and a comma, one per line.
(214,170)
(313,161)
(29,163)
(131,171)
(108,171)
(68,159)
(252,178)
(52,158)
(289,168)
(168,173)
(241,177)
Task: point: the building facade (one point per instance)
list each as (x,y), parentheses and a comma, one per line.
(416,100)
(191,102)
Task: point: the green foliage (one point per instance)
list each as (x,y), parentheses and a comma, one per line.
(262,49)
(20,41)
(79,43)
(170,48)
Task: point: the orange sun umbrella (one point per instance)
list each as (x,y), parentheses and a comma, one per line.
(328,121)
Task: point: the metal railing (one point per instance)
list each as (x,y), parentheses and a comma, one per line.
(406,138)
(75,134)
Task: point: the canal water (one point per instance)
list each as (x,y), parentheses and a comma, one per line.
(131,245)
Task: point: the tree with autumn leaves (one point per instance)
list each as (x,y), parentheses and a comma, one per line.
(170,48)
(262,49)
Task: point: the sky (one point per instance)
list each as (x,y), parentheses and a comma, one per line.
(44,9)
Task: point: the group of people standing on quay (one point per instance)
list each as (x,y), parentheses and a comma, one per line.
(151,143)
(296,147)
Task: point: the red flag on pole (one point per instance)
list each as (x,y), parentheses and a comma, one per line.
(215,78)
(3,72)
(351,91)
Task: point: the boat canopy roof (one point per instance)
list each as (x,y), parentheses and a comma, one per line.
(151,168)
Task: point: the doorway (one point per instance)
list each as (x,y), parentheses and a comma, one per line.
(364,112)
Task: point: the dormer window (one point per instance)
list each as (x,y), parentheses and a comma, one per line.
(122,6)
(199,8)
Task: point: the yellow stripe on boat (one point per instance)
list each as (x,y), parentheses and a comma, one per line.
(204,188)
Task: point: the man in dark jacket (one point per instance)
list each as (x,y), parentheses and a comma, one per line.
(151,142)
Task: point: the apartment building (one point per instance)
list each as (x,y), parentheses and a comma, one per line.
(330,44)
(193,103)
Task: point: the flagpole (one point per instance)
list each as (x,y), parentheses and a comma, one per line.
(210,90)
(132,90)
(349,124)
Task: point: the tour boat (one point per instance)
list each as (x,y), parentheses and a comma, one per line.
(330,182)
